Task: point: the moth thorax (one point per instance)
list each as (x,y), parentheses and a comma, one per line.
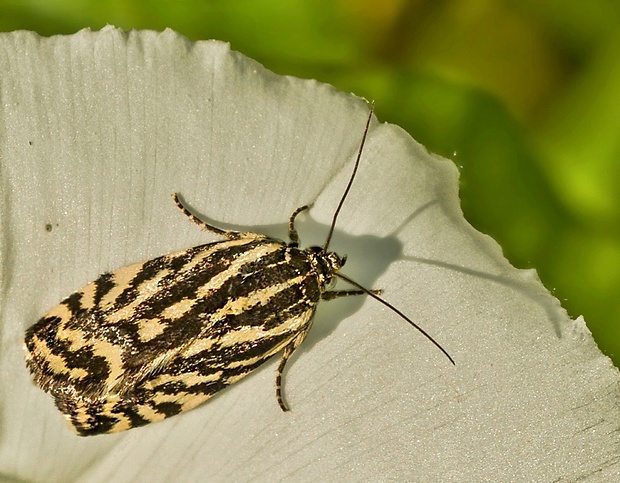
(325,264)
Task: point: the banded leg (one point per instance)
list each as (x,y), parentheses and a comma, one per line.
(334,294)
(288,351)
(292,232)
(230,234)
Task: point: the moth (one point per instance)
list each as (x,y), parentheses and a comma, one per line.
(157,338)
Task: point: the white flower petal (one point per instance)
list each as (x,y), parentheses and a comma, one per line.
(98,129)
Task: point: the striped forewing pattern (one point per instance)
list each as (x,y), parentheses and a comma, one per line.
(153,339)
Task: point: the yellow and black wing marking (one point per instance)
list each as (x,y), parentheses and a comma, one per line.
(157,338)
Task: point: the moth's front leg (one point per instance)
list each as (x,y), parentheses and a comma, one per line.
(334,294)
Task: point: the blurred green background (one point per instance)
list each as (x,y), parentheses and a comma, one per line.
(523,95)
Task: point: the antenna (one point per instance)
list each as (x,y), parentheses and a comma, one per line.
(346,191)
(394,309)
(354,283)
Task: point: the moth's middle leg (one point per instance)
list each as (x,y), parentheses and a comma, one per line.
(293,236)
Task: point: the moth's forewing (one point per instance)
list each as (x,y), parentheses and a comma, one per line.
(153,339)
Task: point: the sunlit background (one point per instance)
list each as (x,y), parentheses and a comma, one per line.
(523,95)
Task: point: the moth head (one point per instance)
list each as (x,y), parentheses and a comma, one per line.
(326,263)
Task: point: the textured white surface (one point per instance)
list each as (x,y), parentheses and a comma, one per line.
(98,129)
